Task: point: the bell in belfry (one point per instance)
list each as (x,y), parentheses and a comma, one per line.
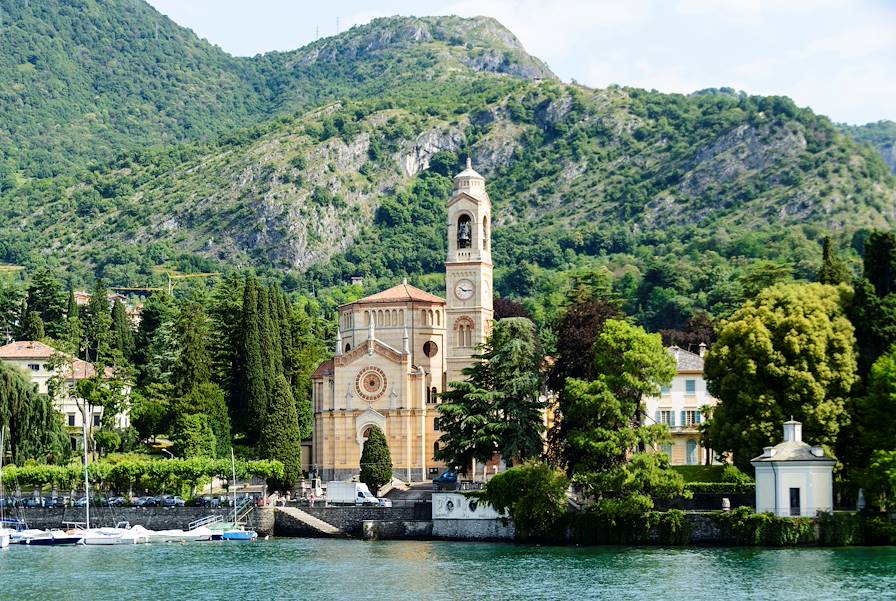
(463,234)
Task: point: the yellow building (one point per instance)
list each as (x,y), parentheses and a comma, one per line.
(397,350)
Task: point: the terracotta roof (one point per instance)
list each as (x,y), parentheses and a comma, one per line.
(324,368)
(27,349)
(400,293)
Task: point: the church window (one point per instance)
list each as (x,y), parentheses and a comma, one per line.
(434,394)
(430,348)
(464,232)
(435,448)
(464,328)
(485,232)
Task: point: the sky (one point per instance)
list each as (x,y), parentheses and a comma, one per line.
(836,56)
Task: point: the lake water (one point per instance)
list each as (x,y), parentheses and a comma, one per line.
(392,570)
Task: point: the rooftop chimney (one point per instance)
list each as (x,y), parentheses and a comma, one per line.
(702,349)
(793,431)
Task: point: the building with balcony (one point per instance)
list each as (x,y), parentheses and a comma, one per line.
(680,407)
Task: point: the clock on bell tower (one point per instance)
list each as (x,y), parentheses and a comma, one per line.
(468,270)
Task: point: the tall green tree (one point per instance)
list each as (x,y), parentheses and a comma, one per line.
(207,399)
(280,437)
(46,296)
(12,297)
(590,303)
(33,428)
(122,331)
(252,402)
(833,270)
(498,409)
(376,460)
(226,334)
(192,436)
(98,326)
(873,307)
(155,338)
(193,367)
(610,450)
(34,327)
(788,353)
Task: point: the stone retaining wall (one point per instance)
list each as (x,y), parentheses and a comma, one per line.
(350,519)
(154,518)
(397,530)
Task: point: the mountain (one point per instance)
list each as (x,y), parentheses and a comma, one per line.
(85,79)
(881,135)
(335,160)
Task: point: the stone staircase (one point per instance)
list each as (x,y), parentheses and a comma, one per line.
(319,526)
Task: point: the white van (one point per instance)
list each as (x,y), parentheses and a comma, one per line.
(350,493)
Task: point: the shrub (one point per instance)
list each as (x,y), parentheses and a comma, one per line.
(534,495)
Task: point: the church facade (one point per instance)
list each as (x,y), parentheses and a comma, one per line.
(398,349)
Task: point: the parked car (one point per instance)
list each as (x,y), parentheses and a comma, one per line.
(172,501)
(205,501)
(80,502)
(117,501)
(447,481)
(385,502)
(60,502)
(349,493)
(32,502)
(147,502)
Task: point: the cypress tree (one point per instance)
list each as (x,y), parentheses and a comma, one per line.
(280,437)
(72,310)
(252,401)
(376,460)
(97,325)
(34,327)
(122,333)
(833,271)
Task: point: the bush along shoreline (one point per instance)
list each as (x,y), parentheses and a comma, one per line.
(738,527)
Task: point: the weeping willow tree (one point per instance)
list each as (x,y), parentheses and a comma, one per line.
(33,428)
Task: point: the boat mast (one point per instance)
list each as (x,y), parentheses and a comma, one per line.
(233,470)
(86,479)
(2,449)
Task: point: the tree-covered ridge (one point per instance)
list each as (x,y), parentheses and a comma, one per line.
(881,135)
(82,80)
(675,195)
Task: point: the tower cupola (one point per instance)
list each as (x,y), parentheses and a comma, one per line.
(469,182)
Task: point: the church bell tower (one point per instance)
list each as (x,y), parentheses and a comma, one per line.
(468,270)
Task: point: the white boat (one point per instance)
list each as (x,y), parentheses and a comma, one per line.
(20,536)
(57,537)
(4,540)
(116,536)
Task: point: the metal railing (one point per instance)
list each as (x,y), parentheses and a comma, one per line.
(209,519)
(243,509)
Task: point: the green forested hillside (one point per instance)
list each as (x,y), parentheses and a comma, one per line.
(881,135)
(82,80)
(334,160)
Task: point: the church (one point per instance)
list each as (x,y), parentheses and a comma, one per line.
(398,349)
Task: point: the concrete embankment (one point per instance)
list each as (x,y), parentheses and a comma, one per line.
(349,520)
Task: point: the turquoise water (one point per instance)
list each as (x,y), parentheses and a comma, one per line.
(391,570)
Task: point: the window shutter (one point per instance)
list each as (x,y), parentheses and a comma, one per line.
(683,420)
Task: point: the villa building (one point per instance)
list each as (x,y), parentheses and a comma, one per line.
(37,360)
(398,349)
(679,407)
